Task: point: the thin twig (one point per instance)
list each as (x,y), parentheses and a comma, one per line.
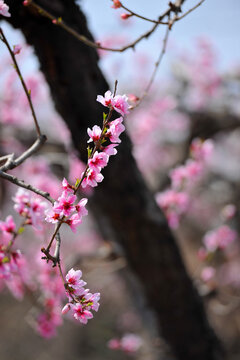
(163,50)
(157,64)
(27,92)
(142,17)
(189,11)
(21,183)
(82,38)
(96,147)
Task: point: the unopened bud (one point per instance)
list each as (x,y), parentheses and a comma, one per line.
(125,16)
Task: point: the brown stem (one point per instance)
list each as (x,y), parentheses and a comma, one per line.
(27,92)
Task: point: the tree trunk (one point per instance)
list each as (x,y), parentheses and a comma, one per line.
(122,202)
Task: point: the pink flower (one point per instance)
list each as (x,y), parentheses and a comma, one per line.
(115,129)
(47,322)
(92,178)
(65,206)
(9,225)
(174,204)
(17,49)
(107,100)
(73,279)
(186,175)
(118,103)
(121,104)
(98,161)
(73,222)
(94,134)
(52,216)
(80,314)
(80,207)
(67,187)
(92,301)
(4,9)
(110,149)
(22,201)
(30,207)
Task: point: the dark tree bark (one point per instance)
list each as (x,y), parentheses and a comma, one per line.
(122,202)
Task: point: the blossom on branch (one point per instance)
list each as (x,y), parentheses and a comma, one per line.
(116,4)
(81,301)
(118,103)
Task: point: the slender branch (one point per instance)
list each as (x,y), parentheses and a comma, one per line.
(157,64)
(57,228)
(163,51)
(84,39)
(96,147)
(167,12)
(27,92)
(189,11)
(142,17)
(5,158)
(16,181)
(11,163)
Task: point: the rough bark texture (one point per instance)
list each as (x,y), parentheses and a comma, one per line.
(122,202)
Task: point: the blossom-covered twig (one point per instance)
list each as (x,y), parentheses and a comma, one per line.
(64,207)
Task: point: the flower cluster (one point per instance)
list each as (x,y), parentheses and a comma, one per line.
(49,319)
(175,201)
(65,210)
(8,262)
(7,257)
(119,102)
(81,301)
(219,238)
(174,204)
(111,132)
(32,208)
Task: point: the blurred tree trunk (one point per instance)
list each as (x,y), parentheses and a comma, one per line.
(122,204)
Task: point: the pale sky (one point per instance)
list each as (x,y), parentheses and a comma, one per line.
(217,19)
